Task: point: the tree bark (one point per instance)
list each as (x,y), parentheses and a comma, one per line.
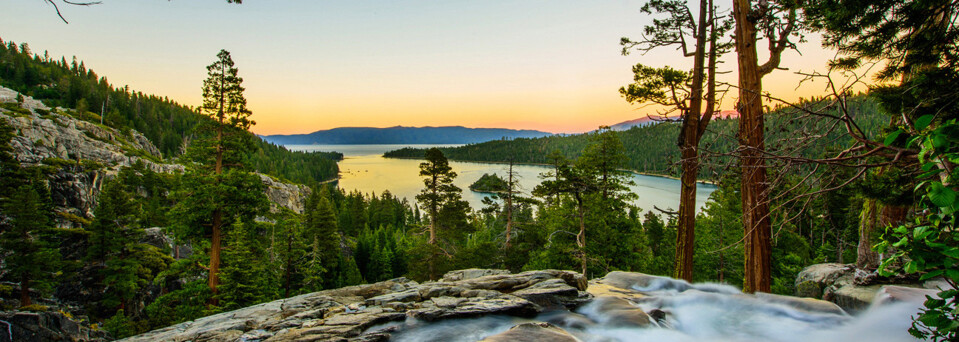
(756,223)
(694,124)
(581,237)
(216,239)
(215,247)
(509,205)
(25,290)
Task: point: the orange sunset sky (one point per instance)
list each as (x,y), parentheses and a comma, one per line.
(310,65)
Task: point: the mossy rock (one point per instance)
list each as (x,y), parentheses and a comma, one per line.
(809,289)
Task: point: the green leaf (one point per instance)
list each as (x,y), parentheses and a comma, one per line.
(891,138)
(940,195)
(931,275)
(940,141)
(910,267)
(923,121)
(952,274)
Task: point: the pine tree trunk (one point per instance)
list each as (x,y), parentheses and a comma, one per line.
(755,203)
(509,205)
(25,290)
(433,212)
(288,273)
(215,247)
(581,237)
(686,230)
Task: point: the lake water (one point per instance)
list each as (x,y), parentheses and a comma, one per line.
(363,168)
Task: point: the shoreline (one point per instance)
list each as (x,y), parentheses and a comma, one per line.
(704,182)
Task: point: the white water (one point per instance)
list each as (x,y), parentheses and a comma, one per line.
(696,313)
(364,169)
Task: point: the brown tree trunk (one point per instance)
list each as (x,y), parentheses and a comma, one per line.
(433,212)
(288,274)
(215,247)
(694,125)
(866,258)
(581,237)
(216,239)
(685,234)
(25,290)
(509,205)
(751,132)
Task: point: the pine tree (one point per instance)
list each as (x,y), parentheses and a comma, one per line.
(446,209)
(111,243)
(324,243)
(246,279)
(26,240)
(218,188)
(290,252)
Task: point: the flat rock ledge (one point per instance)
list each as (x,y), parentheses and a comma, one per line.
(345,314)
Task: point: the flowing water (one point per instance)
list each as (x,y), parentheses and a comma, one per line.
(364,169)
(695,313)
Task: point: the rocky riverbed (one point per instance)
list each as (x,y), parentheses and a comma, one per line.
(547,305)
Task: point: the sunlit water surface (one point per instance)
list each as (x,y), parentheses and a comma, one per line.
(364,169)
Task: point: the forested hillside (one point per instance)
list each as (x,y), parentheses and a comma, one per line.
(169,125)
(652,148)
(403,135)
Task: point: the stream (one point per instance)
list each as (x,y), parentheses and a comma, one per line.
(695,312)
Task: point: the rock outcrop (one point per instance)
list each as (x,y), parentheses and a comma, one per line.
(45,326)
(347,313)
(291,196)
(546,305)
(532,332)
(852,289)
(54,135)
(49,135)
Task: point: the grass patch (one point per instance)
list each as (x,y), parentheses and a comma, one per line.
(74,218)
(15,108)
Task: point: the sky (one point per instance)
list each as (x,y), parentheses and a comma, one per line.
(308,65)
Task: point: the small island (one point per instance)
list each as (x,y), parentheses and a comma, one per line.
(489,184)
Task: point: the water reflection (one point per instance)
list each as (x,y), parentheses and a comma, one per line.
(363,168)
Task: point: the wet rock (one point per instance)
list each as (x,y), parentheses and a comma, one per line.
(571,320)
(345,313)
(530,332)
(894,294)
(850,297)
(598,288)
(813,280)
(642,282)
(614,311)
(552,294)
(806,304)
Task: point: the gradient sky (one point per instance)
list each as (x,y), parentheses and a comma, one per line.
(552,65)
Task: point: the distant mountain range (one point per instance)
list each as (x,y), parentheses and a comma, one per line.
(403,135)
(643,121)
(625,125)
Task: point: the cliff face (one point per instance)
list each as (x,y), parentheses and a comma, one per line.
(88,153)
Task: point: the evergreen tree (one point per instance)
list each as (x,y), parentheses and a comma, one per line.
(445,208)
(246,279)
(30,257)
(114,246)
(291,251)
(217,187)
(324,243)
